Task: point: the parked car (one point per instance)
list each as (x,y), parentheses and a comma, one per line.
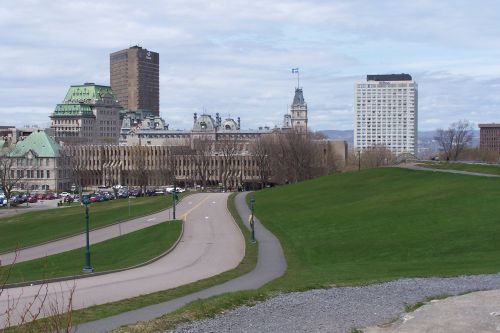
(32,199)
(51,196)
(41,197)
(63,194)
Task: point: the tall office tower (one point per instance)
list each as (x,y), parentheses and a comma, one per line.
(135,79)
(386,109)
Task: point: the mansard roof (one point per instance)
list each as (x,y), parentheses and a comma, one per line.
(40,143)
(298,99)
(88,93)
(80,110)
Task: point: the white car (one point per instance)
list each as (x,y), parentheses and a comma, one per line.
(64,194)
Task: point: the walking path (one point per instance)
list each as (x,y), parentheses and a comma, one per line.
(211,244)
(271,264)
(419,168)
(102,234)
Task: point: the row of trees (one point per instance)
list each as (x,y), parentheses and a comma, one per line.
(280,158)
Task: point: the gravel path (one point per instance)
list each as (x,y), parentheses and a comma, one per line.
(339,309)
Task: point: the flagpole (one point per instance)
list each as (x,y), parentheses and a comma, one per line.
(298,79)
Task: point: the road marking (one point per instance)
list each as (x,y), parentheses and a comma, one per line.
(213,202)
(184,216)
(206,217)
(152,219)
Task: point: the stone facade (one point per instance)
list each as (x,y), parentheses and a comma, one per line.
(89,114)
(158,165)
(38,164)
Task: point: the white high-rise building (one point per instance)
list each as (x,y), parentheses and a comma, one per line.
(386,113)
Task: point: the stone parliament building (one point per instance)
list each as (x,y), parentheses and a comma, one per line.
(214,152)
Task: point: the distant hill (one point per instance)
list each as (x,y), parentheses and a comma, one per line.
(347,135)
(425,138)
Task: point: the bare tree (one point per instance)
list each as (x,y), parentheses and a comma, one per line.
(376,157)
(141,170)
(454,139)
(24,316)
(261,150)
(202,153)
(10,175)
(77,170)
(228,149)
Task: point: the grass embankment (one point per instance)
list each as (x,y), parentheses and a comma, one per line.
(139,246)
(106,310)
(370,226)
(36,227)
(480,168)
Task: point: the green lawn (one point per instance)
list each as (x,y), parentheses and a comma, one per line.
(120,252)
(481,168)
(41,226)
(383,224)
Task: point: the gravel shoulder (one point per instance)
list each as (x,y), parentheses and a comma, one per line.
(339,309)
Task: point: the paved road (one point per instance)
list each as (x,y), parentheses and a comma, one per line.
(475,312)
(212,243)
(271,265)
(415,167)
(102,234)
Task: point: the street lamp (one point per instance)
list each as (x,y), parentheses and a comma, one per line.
(174,196)
(252,224)
(88,267)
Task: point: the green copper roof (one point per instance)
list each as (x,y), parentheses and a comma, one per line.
(87,93)
(40,143)
(83,110)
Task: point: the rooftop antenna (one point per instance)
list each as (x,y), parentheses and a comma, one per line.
(296,71)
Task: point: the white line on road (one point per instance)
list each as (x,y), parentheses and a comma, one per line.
(151,219)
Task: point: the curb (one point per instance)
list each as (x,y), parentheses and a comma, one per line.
(76,277)
(94,229)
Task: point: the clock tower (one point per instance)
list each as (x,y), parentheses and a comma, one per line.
(298,112)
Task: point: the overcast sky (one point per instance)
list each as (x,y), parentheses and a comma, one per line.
(234,57)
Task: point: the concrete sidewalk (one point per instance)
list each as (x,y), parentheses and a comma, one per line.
(419,168)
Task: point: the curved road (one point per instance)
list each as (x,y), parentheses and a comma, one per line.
(212,243)
(271,264)
(102,234)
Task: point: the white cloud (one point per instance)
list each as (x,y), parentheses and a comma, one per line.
(234,57)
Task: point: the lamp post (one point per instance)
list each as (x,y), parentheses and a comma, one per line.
(174,196)
(88,267)
(252,224)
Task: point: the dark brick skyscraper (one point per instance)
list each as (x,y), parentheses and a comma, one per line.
(135,78)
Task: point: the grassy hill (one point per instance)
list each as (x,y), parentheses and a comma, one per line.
(382,224)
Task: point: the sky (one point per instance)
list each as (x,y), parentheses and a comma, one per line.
(235,57)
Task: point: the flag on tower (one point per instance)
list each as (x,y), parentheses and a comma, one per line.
(295,70)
